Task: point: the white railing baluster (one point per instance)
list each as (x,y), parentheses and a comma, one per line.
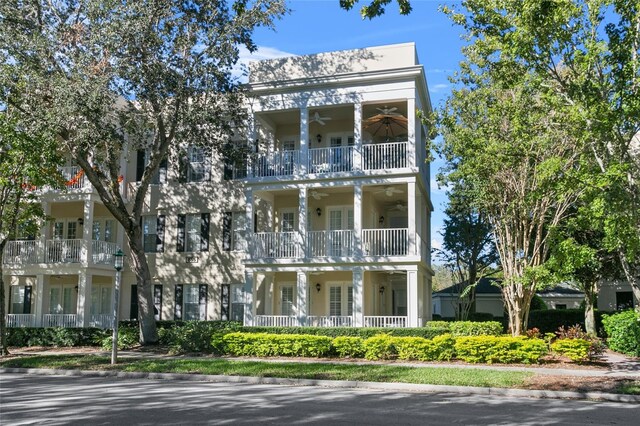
(103,251)
(385,321)
(385,242)
(331,243)
(330,160)
(59,320)
(20,252)
(390,155)
(275,245)
(20,320)
(63,251)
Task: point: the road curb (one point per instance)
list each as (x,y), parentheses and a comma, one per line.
(404,387)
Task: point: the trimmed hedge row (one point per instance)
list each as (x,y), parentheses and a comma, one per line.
(56,336)
(474,349)
(549,321)
(623,332)
(467,328)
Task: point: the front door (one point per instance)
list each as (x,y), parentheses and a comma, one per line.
(287,303)
(339,241)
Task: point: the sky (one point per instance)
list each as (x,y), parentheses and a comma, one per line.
(315,26)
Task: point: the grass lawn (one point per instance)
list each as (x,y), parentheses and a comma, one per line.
(292,370)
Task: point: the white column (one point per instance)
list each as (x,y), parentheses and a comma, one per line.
(83,309)
(45,233)
(248,302)
(302,222)
(357,136)
(304,140)
(87,229)
(357,220)
(411,132)
(39,299)
(249,222)
(268,293)
(412,298)
(411,218)
(428,302)
(358,298)
(301,299)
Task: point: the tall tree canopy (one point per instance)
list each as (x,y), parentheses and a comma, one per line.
(376,7)
(108,77)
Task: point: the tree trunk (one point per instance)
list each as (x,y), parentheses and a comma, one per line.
(146,320)
(517,303)
(589,315)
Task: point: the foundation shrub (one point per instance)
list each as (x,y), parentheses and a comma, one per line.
(55,336)
(445,345)
(473,328)
(263,344)
(348,347)
(500,349)
(379,347)
(415,348)
(364,332)
(194,336)
(577,350)
(128,337)
(623,332)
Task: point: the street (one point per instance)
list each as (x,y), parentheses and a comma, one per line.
(57,400)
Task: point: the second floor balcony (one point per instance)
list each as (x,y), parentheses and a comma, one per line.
(58,251)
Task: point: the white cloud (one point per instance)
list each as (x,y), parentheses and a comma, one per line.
(436,244)
(440,87)
(263,52)
(437,189)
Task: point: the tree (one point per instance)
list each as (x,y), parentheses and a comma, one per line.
(109,77)
(588,54)
(376,7)
(467,248)
(516,150)
(26,162)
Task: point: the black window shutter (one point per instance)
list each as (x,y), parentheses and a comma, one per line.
(226,231)
(26,308)
(182,220)
(162,172)
(133,307)
(255,222)
(202,301)
(228,170)
(157,302)
(224,300)
(177,315)
(160,234)
(204,231)
(140,164)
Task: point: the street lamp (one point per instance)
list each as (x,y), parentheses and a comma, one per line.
(118,263)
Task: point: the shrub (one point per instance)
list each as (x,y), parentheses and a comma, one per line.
(262,344)
(348,347)
(623,332)
(445,347)
(480,316)
(380,346)
(362,332)
(537,304)
(415,348)
(503,349)
(128,337)
(596,347)
(470,328)
(55,336)
(575,349)
(194,336)
(548,321)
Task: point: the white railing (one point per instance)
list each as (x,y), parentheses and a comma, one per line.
(385,242)
(73,177)
(331,243)
(20,252)
(275,245)
(21,320)
(62,251)
(328,160)
(279,163)
(329,321)
(385,321)
(390,155)
(276,321)
(103,251)
(59,320)
(101,320)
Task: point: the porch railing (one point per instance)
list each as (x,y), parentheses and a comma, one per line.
(276,245)
(333,159)
(385,321)
(331,243)
(102,320)
(21,320)
(63,251)
(329,321)
(103,251)
(279,163)
(73,176)
(20,252)
(276,321)
(59,320)
(385,242)
(390,155)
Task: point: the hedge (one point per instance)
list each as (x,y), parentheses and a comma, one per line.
(503,349)
(362,332)
(56,336)
(623,332)
(262,344)
(574,349)
(549,321)
(466,328)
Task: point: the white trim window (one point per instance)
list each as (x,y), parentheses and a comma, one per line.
(190,302)
(101,300)
(234,231)
(287,299)
(62,299)
(340,301)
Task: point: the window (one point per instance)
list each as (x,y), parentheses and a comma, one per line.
(153,233)
(157,302)
(62,300)
(143,158)
(340,299)
(20,299)
(196,166)
(286,300)
(624,300)
(104,230)
(101,301)
(234,231)
(561,306)
(193,233)
(190,302)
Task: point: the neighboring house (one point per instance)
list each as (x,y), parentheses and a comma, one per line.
(615,296)
(322,220)
(489,299)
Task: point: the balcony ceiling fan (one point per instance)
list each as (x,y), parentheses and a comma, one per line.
(389,191)
(391,112)
(399,207)
(317,118)
(318,195)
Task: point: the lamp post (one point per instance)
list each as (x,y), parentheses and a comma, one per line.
(118,263)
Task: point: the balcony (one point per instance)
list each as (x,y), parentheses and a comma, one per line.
(57,252)
(330,321)
(319,161)
(59,320)
(21,320)
(387,242)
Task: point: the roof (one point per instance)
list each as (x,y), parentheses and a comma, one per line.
(492,286)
